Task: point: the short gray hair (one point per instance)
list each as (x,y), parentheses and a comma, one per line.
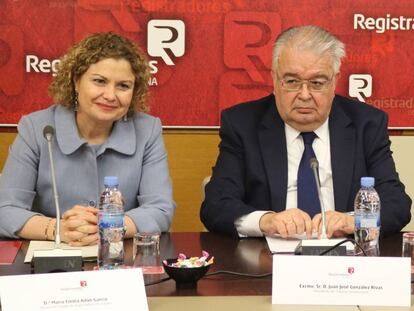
(310,38)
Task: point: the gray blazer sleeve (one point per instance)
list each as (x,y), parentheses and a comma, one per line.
(18,180)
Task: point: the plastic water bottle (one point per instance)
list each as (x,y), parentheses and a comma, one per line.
(111,225)
(367,217)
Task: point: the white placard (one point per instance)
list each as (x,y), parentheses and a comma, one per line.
(337,280)
(92,290)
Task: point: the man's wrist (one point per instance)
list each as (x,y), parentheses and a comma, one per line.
(265,222)
(350,223)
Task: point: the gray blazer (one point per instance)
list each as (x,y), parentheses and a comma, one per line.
(134,152)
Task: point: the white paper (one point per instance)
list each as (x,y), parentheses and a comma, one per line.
(90,251)
(281,245)
(105,290)
(341,280)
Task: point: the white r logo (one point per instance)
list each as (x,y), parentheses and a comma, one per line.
(360,86)
(166,38)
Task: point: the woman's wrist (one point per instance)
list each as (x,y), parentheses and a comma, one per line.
(130,227)
(50,231)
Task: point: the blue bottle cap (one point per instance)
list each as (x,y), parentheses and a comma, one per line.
(367,181)
(111,181)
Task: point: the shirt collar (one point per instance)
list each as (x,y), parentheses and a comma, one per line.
(321,132)
(122,138)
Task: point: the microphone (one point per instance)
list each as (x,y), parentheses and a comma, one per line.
(314,164)
(317,246)
(57,259)
(48,133)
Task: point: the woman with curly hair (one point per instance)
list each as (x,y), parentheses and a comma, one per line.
(101,129)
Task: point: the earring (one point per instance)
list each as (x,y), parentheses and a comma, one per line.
(125,118)
(76,102)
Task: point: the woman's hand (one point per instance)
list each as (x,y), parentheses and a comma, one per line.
(79,226)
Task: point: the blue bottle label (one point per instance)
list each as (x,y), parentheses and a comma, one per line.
(111,221)
(367,220)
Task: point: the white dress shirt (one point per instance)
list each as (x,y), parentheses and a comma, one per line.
(248,225)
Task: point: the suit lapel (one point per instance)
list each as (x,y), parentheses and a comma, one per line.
(272,143)
(342,137)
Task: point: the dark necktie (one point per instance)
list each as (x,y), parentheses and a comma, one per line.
(307,192)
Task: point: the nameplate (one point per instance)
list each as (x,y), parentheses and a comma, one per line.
(93,290)
(336,280)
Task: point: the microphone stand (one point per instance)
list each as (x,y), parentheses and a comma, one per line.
(48,137)
(57,259)
(314,166)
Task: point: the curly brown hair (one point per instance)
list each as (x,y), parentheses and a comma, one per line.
(91,50)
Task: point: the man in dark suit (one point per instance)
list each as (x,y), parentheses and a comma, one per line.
(257,183)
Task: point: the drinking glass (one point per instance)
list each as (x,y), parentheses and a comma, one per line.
(146,252)
(408,247)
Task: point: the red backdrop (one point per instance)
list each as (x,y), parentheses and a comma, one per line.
(220,54)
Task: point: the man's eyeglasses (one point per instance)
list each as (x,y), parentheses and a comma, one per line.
(314,85)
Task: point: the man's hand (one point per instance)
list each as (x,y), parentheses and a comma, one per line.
(79,226)
(337,224)
(287,223)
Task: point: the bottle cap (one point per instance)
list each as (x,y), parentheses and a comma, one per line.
(111,181)
(367,181)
